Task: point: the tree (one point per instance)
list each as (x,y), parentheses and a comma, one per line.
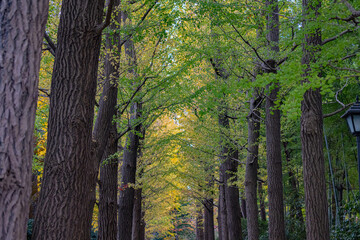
(273,136)
(106,134)
(317,223)
(22,30)
(251,169)
(67,193)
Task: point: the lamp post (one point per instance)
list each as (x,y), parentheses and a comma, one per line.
(352,116)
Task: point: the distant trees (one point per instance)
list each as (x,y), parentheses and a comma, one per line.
(196,104)
(22,28)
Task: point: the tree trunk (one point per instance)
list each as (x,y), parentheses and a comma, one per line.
(138,216)
(317,222)
(251,170)
(209,219)
(108,190)
(22,26)
(274,169)
(128,169)
(231,192)
(128,177)
(70,172)
(105,134)
(232,197)
(222,214)
(262,202)
(199,224)
(273,136)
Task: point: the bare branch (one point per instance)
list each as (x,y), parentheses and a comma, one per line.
(353,16)
(45,91)
(50,44)
(337,36)
(340,90)
(106,23)
(337,111)
(254,49)
(137,25)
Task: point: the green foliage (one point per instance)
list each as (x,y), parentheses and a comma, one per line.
(349,227)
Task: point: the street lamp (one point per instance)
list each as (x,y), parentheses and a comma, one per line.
(352,116)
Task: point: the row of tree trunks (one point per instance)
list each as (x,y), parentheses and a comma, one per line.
(200,223)
(316,207)
(67,193)
(231,222)
(22,26)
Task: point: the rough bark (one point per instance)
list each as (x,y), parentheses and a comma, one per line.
(251,170)
(209,219)
(229,170)
(262,202)
(108,190)
(273,135)
(128,177)
(199,223)
(105,134)
(34,195)
(232,198)
(70,171)
(138,217)
(274,169)
(317,223)
(22,26)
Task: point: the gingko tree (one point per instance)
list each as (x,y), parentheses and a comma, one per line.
(22,28)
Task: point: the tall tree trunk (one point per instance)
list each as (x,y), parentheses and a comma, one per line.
(199,223)
(68,190)
(131,150)
(273,135)
(138,216)
(22,26)
(108,190)
(251,170)
(317,222)
(231,192)
(128,177)
(103,135)
(262,202)
(222,214)
(232,197)
(209,219)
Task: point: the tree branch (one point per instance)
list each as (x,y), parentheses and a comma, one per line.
(337,111)
(50,44)
(44,91)
(137,25)
(99,28)
(337,36)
